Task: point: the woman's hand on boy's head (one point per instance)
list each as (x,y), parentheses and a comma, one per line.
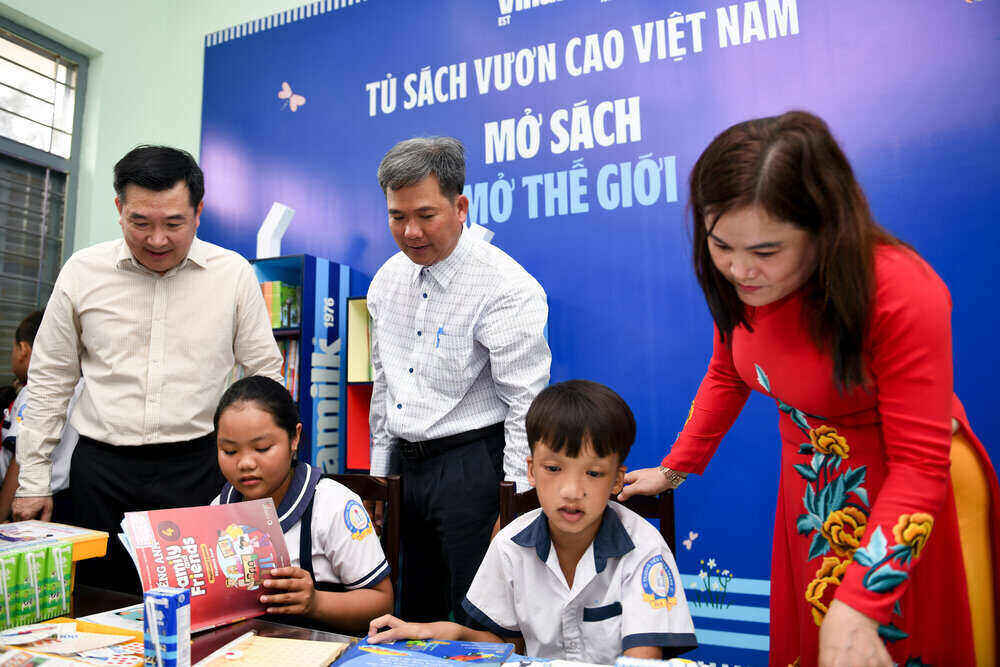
(293,591)
(400,630)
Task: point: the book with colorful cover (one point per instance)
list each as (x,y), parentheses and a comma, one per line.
(219,552)
(423,652)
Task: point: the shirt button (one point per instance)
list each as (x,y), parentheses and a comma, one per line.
(420,333)
(399,406)
(411,370)
(425,295)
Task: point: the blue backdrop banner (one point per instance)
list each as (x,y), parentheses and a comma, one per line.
(582,119)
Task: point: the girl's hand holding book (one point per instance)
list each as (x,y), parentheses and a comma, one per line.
(291,588)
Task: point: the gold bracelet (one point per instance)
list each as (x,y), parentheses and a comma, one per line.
(674,477)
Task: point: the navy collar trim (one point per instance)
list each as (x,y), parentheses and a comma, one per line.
(611,541)
(298,497)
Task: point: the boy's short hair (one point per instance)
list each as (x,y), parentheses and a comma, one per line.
(28,328)
(566,415)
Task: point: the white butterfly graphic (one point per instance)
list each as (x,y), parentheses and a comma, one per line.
(692,536)
(294,100)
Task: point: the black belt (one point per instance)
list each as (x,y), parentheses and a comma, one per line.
(418,451)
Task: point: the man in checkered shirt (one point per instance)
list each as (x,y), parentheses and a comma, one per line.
(459,352)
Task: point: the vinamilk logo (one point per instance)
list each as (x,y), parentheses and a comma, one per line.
(507,7)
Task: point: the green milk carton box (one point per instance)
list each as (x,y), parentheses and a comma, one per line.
(10,566)
(55,581)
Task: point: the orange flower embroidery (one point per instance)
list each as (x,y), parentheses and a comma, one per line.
(819,592)
(844,529)
(913,531)
(826,440)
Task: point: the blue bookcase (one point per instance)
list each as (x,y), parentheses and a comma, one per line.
(322,329)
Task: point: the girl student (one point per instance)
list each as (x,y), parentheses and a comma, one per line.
(345,583)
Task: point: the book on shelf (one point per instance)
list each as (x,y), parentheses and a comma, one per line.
(421,652)
(284,303)
(290,366)
(218,552)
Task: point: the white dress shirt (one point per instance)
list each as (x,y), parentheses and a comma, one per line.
(456,346)
(154,350)
(626,591)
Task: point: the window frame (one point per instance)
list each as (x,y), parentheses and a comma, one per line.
(42,158)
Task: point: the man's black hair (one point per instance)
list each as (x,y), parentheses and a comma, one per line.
(160,168)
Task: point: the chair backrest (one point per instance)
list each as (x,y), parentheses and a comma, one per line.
(389,491)
(660,507)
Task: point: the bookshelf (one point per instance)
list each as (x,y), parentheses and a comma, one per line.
(359,384)
(312,344)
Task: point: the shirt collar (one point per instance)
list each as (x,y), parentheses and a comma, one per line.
(443,272)
(300,493)
(611,541)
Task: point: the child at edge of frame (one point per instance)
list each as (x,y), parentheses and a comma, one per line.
(581,578)
(346,580)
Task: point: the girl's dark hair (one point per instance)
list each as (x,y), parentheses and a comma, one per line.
(792,168)
(268,395)
(28,328)
(567,414)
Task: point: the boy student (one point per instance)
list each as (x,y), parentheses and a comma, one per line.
(20,358)
(581,578)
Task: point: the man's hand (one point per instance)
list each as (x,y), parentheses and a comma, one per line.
(376,509)
(848,638)
(399,630)
(294,591)
(643,482)
(32,507)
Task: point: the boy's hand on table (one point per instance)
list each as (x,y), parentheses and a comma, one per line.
(399,630)
(292,589)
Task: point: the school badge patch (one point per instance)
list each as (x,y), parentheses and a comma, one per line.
(356,520)
(658,586)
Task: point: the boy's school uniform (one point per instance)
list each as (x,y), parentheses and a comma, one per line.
(626,591)
(324,518)
(61,455)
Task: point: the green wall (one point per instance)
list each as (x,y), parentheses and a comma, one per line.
(144,85)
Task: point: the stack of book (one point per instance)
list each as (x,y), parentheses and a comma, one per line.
(284,302)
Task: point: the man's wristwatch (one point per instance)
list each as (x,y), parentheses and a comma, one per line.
(674,477)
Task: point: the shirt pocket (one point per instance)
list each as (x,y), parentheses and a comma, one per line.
(602,629)
(602,613)
(450,365)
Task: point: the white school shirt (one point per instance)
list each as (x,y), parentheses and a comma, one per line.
(61,455)
(456,346)
(626,591)
(345,549)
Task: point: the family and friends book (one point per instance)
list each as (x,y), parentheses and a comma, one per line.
(218,552)
(424,652)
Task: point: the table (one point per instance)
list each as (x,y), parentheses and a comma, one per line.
(88,600)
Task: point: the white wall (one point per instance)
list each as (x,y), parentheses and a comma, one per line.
(144,85)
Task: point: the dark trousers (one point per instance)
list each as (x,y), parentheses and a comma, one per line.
(106,481)
(450,503)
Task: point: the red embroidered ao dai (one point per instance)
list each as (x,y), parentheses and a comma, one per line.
(865,510)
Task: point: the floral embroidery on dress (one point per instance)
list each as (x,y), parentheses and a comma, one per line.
(835,501)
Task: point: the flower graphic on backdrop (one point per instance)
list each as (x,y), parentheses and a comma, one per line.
(292,100)
(713,586)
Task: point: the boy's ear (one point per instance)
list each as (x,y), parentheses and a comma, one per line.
(619,479)
(531,473)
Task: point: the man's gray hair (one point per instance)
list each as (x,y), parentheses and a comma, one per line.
(411,161)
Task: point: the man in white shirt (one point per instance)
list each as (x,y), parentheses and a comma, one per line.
(153,322)
(458,352)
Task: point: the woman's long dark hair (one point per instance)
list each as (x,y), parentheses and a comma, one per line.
(792,168)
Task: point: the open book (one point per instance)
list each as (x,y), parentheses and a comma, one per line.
(424,652)
(219,552)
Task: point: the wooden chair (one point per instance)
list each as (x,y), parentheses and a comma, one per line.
(660,507)
(389,491)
